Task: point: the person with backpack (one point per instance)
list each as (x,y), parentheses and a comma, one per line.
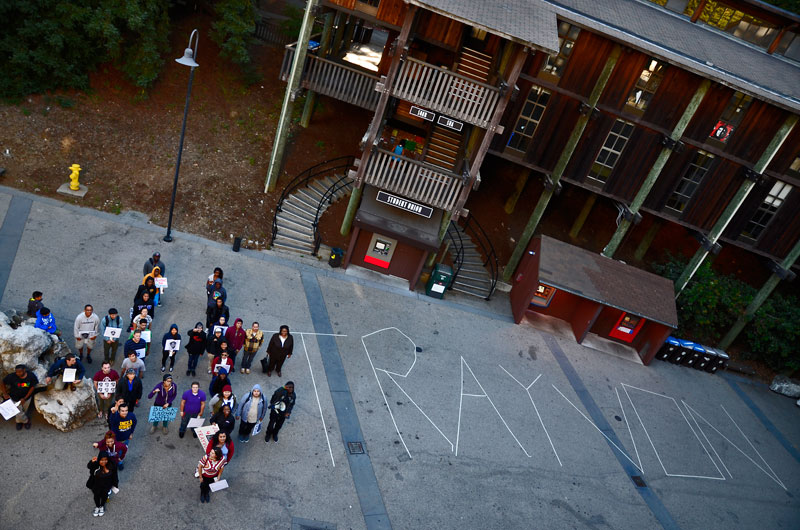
(110,344)
(251,411)
(195,347)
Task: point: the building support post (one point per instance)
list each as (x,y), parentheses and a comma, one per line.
(658,166)
(561,165)
(522,180)
(581,219)
(760,297)
(647,240)
(445,224)
(311,96)
(350,214)
(285,120)
(733,206)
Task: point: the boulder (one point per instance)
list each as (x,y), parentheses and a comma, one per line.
(66,409)
(783,385)
(24,345)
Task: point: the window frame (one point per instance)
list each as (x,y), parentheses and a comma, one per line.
(526,139)
(779,191)
(553,67)
(647,87)
(594,172)
(690,179)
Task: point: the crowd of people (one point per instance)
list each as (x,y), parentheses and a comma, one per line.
(118,396)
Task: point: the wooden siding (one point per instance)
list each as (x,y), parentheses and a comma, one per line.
(635,163)
(674,169)
(626,72)
(755,132)
(787,153)
(392,11)
(347,4)
(585,63)
(714,194)
(589,146)
(511,114)
(672,97)
(553,131)
(784,231)
(437,28)
(708,113)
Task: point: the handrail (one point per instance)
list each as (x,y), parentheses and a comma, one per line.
(491,256)
(458,260)
(302,179)
(340,63)
(422,163)
(328,196)
(454,74)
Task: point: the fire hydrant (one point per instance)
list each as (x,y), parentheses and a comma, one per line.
(74,185)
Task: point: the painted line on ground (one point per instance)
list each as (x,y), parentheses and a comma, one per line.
(657,508)
(316,393)
(366,483)
(753,447)
(11,234)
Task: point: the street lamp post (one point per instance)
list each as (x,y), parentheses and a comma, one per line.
(188,59)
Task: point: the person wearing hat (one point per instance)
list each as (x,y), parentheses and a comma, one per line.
(129,389)
(251,411)
(102,477)
(280,408)
(193,404)
(165,393)
(110,344)
(224,397)
(218,382)
(20,386)
(153,262)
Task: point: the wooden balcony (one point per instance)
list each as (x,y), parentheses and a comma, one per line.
(413,179)
(334,79)
(447,92)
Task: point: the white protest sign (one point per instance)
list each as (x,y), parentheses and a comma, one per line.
(161,282)
(218,366)
(173,345)
(112,333)
(257,429)
(219,485)
(146,335)
(69,375)
(221,328)
(205,433)
(142,353)
(196,422)
(8,409)
(106,387)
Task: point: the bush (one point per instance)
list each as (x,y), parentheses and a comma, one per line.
(233,30)
(774,334)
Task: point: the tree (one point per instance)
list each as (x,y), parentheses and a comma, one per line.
(233,30)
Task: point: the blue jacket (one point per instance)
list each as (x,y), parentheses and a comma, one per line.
(216,291)
(169,336)
(122,428)
(47,323)
(244,406)
(58,368)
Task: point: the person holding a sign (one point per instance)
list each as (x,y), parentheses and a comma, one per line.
(111,331)
(254,338)
(280,406)
(165,393)
(215,338)
(217,310)
(209,470)
(20,386)
(102,477)
(137,345)
(155,275)
(105,384)
(66,371)
(133,362)
(142,318)
(193,405)
(170,344)
(86,328)
(143,300)
(279,349)
(251,411)
(195,346)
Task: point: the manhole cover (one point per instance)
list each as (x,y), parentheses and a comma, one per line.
(355,448)
(638,481)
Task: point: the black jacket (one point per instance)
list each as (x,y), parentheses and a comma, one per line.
(280,351)
(212,344)
(283,395)
(196,345)
(130,396)
(225,424)
(216,312)
(218,384)
(102,483)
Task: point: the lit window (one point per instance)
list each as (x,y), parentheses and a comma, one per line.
(615,142)
(529,119)
(767,210)
(567,34)
(690,181)
(646,86)
(795,167)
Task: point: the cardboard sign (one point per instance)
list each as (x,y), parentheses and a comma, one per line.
(162,414)
(106,387)
(141,353)
(195,422)
(218,366)
(112,333)
(161,282)
(146,335)
(223,328)
(257,429)
(218,485)
(69,375)
(173,345)
(204,434)
(8,409)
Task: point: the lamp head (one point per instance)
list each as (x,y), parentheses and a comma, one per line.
(188,59)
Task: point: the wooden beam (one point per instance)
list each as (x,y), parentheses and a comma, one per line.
(698,11)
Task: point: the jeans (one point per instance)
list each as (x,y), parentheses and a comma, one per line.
(193,359)
(59,384)
(245,429)
(276,420)
(110,348)
(164,356)
(105,404)
(164,423)
(247,359)
(100,497)
(205,486)
(185,421)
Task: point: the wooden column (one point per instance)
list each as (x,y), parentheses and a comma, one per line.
(581,219)
(647,240)
(522,180)
(311,96)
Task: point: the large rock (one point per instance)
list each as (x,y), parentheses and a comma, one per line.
(66,409)
(783,385)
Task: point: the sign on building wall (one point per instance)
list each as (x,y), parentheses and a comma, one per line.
(404,204)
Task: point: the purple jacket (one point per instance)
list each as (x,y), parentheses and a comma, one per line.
(164,397)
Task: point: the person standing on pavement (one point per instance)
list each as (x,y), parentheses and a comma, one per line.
(235,337)
(279,349)
(142,317)
(280,408)
(166,351)
(129,389)
(215,338)
(216,275)
(104,399)
(110,344)
(56,372)
(254,338)
(20,386)
(102,477)
(251,411)
(224,419)
(209,470)
(122,423)
(193,405)
(219,382)
(152,263)
(87,326)
(225,397)
(216,311)
(137,345)
(165,393)
(116,450)
(195,347)
(132,362)
(154,275)
(144,299)
(221,441)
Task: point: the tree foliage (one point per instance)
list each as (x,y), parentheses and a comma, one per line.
(233,30)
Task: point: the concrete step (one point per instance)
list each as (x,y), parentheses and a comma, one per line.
(301,199)
(314,189)
(475,277)
(474,292)
(298,212)
(293,222)
(483,284)
(305,234)
(286,237)
(473,270)
(288,245)
(469,262)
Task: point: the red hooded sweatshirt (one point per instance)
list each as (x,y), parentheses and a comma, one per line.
(235,336)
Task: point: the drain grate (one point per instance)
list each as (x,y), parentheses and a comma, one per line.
(355,448)
(638,481)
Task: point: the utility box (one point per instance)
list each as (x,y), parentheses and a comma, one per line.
(440,280)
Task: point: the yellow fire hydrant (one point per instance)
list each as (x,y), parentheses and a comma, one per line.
(74,185)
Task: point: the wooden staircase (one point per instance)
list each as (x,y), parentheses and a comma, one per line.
(475,65)
(443,146)
(473,278)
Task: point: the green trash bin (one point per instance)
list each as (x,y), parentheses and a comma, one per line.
(439,281)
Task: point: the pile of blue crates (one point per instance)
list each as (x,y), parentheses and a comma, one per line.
(697,356)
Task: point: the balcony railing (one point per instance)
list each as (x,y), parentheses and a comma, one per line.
(334,79)
(413,179)
(446,92)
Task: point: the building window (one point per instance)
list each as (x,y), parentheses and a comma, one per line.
(731,117)
(567,34)
(612,148)
(690,181)
(646,86)
(756,225)
(529,119)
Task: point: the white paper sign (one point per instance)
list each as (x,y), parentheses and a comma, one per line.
(195,422)
(106,387)
(161,282)
(114,490)
(219,485)
(204,433)
(223,328)
(141,354)
(173,345)
(436,288)
(69,375)
(218,366)
(257,429)
(8,409)
(112,333)
(146,335)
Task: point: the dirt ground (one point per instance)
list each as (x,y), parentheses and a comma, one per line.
(127,144)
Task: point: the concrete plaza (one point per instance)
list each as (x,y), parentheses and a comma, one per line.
(465,419)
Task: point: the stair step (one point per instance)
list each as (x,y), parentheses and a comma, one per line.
(316,189)
(295,232)
(473,284)
(476,53)
(472,270)
(286,245)
(468,261)
(464,275)
(297,212)
(309,195)
(295,240)
(441,132)
(470,63)
(303,203)
(474,292)
(447,155)
(293,221)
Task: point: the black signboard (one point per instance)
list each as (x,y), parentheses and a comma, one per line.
(422,113)
(450,123)
(404,204)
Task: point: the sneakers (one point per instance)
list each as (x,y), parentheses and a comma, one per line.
(120,466)
(188,372)
(164,430)
(247,370)
(181,434)
(96,512)
(275,437)
(101,512)
(170,369)
(19,426)
(28,425)
(269,374)
(163,369)
(152,428)
(209,371)
(241,371)
(279,373)
(194,373)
